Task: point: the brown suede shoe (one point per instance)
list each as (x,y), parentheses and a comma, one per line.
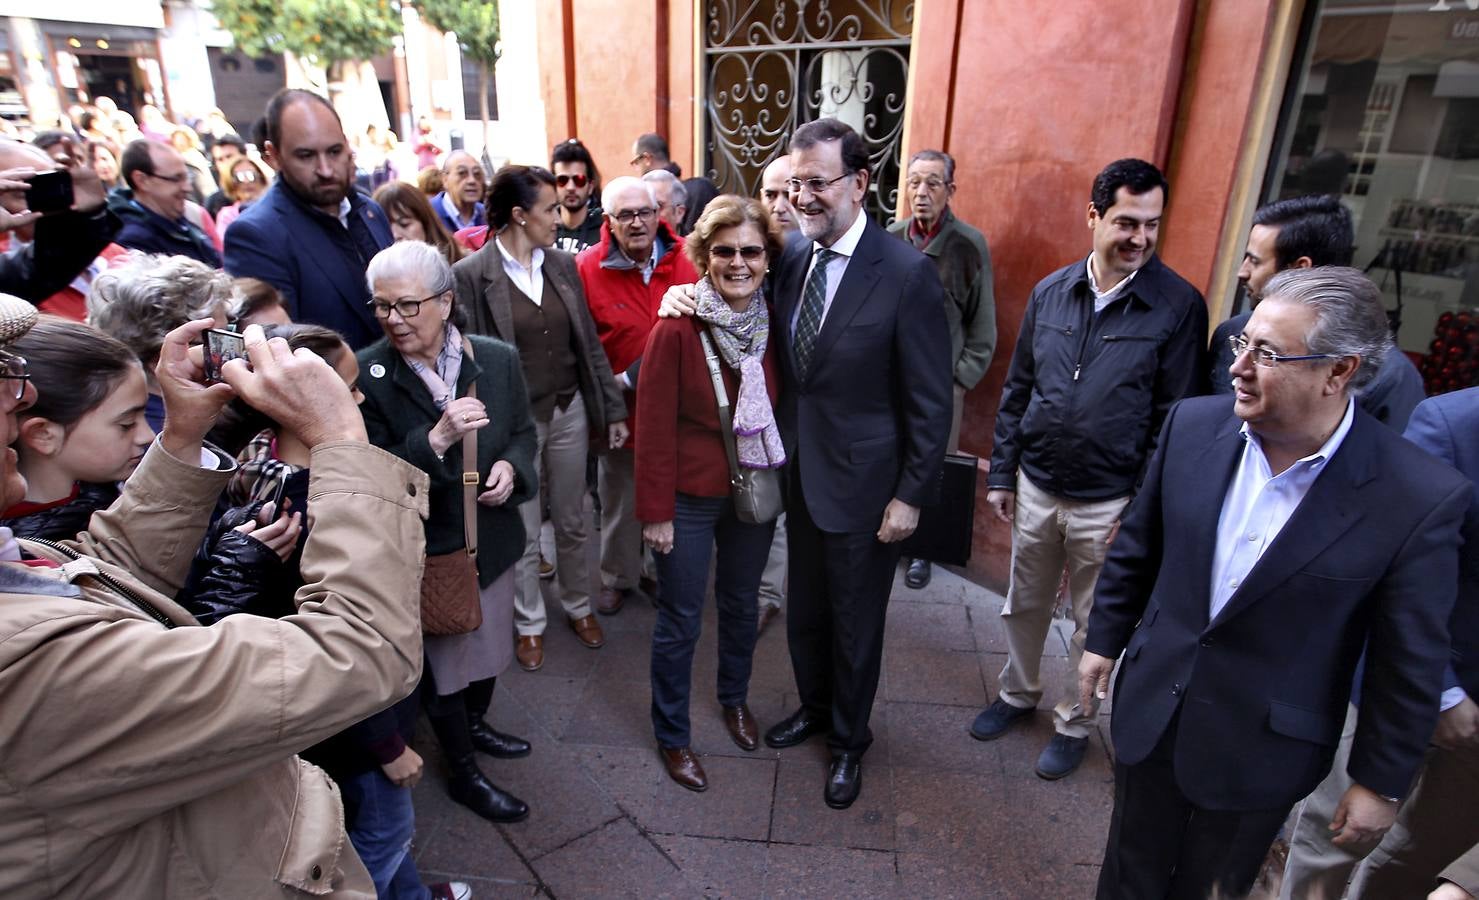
(530,652)
(609,601)
(768,612)
(684,768)
(589,631)
(742,727)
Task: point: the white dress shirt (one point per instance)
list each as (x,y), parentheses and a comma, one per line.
(530,280)
(1258,505)
(844,247)
(1104,298)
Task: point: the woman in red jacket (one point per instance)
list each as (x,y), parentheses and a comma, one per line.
(682,473)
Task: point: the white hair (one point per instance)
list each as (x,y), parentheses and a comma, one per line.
(677,193)
(412,259)
(624,183)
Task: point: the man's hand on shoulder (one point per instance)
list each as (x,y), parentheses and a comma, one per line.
(677,302)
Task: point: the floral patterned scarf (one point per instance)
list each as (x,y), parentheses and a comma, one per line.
(741,338)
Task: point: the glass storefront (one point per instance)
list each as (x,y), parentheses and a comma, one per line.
(1383,109)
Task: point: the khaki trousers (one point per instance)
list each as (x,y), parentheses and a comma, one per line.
(621,533)
(562,446)
(1316,867)
(773,580)
(1050,533)
(1436,825)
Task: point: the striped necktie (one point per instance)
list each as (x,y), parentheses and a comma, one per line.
(813,303)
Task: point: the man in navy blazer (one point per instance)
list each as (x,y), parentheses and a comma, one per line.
(312,234)
(1438,824)
(1269,544)
(865,415)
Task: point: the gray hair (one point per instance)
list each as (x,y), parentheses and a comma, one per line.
(149,296)
(939,156)
(1350,318)
(677,193)
(412,259)
(623,183)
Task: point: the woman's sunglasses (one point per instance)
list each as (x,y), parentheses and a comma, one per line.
(750,254)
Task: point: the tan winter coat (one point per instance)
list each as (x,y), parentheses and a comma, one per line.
(143,761)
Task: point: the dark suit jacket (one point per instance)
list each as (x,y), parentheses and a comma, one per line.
(482,289)
(1447,426)
(870,420)
(399,413)
(309,257)
(1370,554)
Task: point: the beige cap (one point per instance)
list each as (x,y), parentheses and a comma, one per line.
(16,318)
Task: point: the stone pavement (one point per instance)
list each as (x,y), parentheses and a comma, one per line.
(941,814)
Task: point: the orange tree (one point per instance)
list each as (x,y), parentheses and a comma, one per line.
(325,32)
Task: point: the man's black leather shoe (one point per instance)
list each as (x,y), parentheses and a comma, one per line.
(845,780)
(794,729)
(918,574)
(495,743)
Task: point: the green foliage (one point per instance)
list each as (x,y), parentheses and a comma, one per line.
(323,31)
(475,22)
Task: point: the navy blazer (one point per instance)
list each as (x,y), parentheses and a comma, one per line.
(1447,426)
(1370,554)
(316,264)
(871,419)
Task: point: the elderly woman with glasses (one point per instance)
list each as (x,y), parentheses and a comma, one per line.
(415,382)
(682,471)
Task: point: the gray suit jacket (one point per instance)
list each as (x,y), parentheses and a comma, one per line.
(483,290)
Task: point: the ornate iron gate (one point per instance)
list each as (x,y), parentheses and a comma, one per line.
(771,65)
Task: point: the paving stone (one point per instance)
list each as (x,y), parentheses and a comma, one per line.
(736,805)
(924,675)
(1068,817)
(466,846)
(615,860)
(928,733)
(483,888)
(564,801)
(549,701)
(800,871)
(953,812)
(801,815)
(613,714)
(734,870)
(939,626)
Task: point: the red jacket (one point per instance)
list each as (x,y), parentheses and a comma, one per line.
(682,448)
(624,308)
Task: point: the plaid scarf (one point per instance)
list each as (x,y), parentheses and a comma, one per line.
(260,475)
(740,338)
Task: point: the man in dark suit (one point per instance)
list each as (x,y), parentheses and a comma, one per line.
(1437,823)
(865,415)
(1270,542)
(312,234)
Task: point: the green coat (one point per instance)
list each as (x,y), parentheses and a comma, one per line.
(960,256)
(399,415)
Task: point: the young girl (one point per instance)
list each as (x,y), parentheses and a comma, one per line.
(86,431)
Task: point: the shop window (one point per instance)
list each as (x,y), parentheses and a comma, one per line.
(1383,109)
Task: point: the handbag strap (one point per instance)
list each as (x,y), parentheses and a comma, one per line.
(470,461)
(726,426)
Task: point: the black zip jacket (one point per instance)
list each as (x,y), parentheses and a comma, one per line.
(1086,393)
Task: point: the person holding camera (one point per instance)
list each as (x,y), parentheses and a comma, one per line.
(129,727)
(59,217)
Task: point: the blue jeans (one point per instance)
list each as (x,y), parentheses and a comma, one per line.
(699,524)
(381,821)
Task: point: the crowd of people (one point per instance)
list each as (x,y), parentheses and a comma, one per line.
(229,597)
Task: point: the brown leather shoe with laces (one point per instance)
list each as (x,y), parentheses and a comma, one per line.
(742,727)
(588,630)
(683,767)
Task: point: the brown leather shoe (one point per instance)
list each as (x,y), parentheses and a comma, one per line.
(530,652)
(742,727)
(684,768)
(768,612)
(609,601)
(589,631)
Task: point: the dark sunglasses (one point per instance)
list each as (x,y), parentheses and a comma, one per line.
(563,180)
(749,254)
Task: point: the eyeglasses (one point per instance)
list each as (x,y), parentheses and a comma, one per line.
(626,216)
(172,179)
(578,180)
(1265,357)
(406,309)
(14,368)
(465,172)
(933,184)
(749,254)
(246,176)
(815,185)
